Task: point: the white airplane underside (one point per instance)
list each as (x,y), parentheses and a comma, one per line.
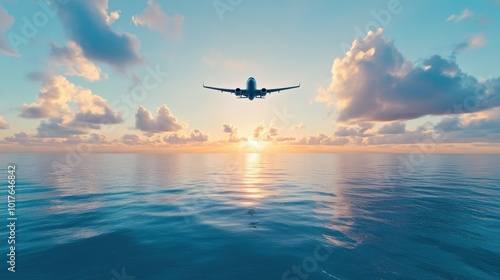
(251,91)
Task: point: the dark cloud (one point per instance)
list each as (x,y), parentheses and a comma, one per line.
(375,83)
(165,121)
(88,23)
(448,124)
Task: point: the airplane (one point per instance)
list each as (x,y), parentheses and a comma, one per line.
(251,91)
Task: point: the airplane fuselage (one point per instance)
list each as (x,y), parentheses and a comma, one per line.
(251,88)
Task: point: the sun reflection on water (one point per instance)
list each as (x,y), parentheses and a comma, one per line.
(253,187)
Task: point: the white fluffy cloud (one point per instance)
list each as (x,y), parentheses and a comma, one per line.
(71,56)
(374,82)
(155,18)
(165,121)
(54,100)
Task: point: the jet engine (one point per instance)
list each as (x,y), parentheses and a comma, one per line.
(263,91)
(237,92)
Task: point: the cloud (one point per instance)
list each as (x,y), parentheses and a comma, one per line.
(467,128)
(475,42)
(94,109)
(285,139)
(357,130)
(229,128)
(54,99)
(195,136)
(35,140)
(131,139)
(258,131)
(3,123)
(22,138)
(76,63)
(448,124)
(6,21)
(265,133)
(419,135)
(165,121)
(393,128)
(87,23)
(322,139)
(198,136)
(59,127)
(156,19)
(458,18)
(94,138)
(374,82)
(232,130)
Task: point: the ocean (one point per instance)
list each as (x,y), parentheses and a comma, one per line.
(253,216)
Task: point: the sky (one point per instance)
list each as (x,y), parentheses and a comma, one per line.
(126,76)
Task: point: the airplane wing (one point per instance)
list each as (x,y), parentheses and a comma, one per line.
(280,89)
(241,92)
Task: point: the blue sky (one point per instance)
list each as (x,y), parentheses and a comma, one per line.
(96,54)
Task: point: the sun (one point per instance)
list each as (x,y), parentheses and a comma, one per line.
(253,146)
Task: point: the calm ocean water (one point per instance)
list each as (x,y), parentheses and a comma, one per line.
(255,216)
